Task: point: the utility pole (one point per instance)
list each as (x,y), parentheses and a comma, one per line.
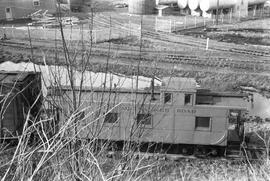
(217,12)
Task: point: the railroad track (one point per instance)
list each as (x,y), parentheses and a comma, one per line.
(250,52)
(188,41)
(107,22)
(165,56)
(251,154)
(217,62)
(243,152)
(46,44)
(254,153)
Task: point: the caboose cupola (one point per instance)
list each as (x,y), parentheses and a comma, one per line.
(178,91)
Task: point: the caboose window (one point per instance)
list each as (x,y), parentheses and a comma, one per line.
(7,10)
(144,119)
(203,123)
(188,99)
(167,97)
(111,118)
(234,116)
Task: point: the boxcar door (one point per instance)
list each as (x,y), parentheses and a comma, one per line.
(8,121)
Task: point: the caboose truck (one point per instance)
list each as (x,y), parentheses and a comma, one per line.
(175,113)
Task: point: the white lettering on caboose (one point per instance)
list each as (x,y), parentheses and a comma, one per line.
(153,109)
(160,109)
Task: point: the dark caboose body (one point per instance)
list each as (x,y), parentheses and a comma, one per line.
(19,97)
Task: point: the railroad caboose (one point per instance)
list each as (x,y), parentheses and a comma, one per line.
(19,98)
(174,111)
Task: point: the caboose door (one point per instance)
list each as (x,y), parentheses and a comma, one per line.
(235,127)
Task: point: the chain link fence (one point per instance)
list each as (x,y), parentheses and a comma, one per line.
(166,24)
(70,34)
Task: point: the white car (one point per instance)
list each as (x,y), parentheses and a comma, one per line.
(122,5)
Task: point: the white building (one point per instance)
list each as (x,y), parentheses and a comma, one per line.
(18,9)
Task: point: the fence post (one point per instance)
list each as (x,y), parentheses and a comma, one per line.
(129,22)
(44,33)
(70,33)
(156,24)
(95,36)
(174,26)
(254,10)
(222,17)
(239,18)
(207,44)
(195,21)
(170,26)
(4,30)
(231,15)
(185,22)
(13,32)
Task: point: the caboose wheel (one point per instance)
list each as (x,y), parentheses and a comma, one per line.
(184,151)
(200,151)
(187,150)
(214,152)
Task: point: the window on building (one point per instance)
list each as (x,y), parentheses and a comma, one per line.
(111,118)
(188,99)
(167,97)
(7,10)
(144,119)
(203,123)
(36,2)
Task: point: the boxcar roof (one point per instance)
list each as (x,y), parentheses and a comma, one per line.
(58,75)
(13,77)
